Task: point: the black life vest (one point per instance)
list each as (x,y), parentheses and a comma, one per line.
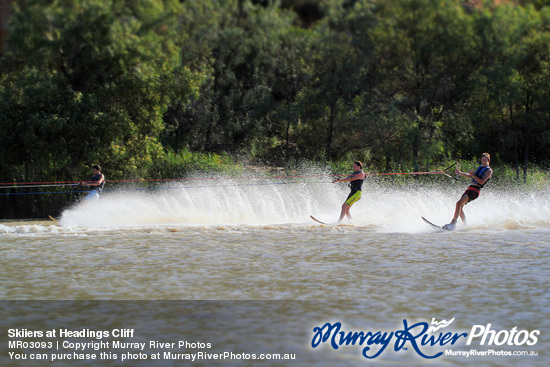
(96,178)
(357,184)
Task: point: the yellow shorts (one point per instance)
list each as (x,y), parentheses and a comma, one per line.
(353,197)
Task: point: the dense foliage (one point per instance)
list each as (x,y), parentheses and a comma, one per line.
(139,86)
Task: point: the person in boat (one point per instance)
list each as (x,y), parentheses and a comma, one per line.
(96,183)
(356,182)
(479,179)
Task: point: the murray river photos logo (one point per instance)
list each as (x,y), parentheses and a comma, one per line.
(421,337)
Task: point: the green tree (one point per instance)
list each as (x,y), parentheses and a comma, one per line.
(426,53)
(94,87)
(232,43)
(338,68)
(513,119)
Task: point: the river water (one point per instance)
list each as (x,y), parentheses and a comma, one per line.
(251,248)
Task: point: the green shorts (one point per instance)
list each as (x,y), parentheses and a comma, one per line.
(353,197)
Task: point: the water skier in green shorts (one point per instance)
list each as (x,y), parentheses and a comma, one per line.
(356,182)
(479,178)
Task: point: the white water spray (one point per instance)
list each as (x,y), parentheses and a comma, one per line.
(252,203)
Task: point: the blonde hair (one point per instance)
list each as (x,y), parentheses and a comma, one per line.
(487,155)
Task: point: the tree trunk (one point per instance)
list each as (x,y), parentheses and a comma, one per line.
(526,159)
(515,135)
(416,147)
(287,132)
(328,148)
(178,140)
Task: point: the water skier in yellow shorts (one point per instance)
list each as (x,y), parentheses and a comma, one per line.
(356,182)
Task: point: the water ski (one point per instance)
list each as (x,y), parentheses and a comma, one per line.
(435,225)
(331,224)
(52,218)
(318,221)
